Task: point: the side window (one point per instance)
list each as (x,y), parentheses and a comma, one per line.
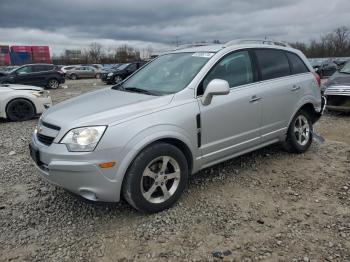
(298,66)
(272,63)
(40,68)
(24,70)
(235,68)
(132,67)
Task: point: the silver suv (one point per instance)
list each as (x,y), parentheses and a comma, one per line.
(182,112)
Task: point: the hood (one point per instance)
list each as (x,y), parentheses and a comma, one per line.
(22,87)
(103,107)
(338,79)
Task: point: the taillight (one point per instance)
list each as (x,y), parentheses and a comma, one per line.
(318,79)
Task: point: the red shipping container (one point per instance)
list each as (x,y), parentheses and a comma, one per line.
(21,48)
(4,49)
(4,59)
(40,49)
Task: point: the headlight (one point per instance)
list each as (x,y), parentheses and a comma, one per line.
(110,74)
(83,139)
(43,93)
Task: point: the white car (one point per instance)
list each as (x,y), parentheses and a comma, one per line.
(22,102)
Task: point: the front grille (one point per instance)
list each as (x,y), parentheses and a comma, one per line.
(48,125)
(46,140)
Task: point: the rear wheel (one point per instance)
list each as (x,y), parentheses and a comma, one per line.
(53,84)
(299,137)
(156,179)
(20,110)
(6,83)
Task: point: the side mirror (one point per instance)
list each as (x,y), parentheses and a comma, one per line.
(216,87)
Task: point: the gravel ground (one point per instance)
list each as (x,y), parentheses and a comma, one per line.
(265,206)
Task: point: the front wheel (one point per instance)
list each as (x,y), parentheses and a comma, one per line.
(156,179)
(73,77)
(299,137)
(20,110)
(117,79)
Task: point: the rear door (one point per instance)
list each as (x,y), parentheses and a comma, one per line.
(41,74)
(280,92)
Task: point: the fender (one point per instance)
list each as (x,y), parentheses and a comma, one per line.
(5,102)
(309,99)
(150,135)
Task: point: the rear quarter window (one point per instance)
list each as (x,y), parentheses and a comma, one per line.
(298,66)
(272,63)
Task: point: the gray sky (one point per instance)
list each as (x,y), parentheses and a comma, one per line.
(65,24)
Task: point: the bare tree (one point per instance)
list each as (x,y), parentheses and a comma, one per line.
(95,52)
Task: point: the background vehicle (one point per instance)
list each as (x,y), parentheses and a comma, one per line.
(44,75)
(82,72)
(337,90)
(182,112)
(121,72)
(64,69)
(21,102)
(326,68)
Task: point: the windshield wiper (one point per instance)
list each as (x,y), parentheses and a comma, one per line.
(344,72)
(139,90)
(118,86)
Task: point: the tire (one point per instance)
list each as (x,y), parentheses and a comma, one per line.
(73,77)
(149,185)
(299,136)
(6,83)
(53,83)
(118,79)
(20,110)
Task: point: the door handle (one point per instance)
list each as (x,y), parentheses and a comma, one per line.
(295,88)
(254,99)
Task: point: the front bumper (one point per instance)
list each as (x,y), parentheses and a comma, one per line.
(77,172)
(338,98)
(42,104)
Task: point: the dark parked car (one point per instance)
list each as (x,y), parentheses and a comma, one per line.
(337,90)
(120,73)
(326,68)
(44,75)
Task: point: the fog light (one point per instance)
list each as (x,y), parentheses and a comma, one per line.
(107,164)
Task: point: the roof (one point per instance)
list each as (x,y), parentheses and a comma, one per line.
(235,44)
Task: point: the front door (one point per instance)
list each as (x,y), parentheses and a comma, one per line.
(24,76)
(231,123)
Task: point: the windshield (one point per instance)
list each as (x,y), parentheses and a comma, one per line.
(168,73)
(346,68)
(123,66)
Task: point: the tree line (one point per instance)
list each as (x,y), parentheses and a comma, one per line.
(333,44)
(95,53)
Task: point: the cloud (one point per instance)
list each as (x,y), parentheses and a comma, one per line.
(69,24)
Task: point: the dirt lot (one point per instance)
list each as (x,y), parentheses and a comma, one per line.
(265,206)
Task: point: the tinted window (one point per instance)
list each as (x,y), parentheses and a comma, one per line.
(42,68)
(272,63)
(132,67)
(298,66)
(24,70)
(235,68)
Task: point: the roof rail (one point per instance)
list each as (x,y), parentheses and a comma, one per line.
(191,45)
(256,41)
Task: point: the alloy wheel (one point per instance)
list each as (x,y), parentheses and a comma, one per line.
(160,179)
(53,84)
(302,130)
